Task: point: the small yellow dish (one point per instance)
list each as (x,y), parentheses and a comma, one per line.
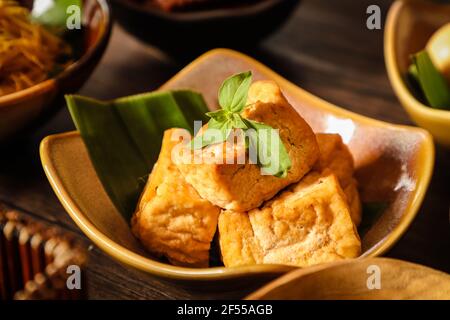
(394,165)
(409,26)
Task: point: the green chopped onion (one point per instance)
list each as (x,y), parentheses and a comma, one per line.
(430,80)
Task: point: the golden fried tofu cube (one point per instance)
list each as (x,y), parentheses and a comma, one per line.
(238,244)
(335,156)
(172,220)
(242,187)
(307,224)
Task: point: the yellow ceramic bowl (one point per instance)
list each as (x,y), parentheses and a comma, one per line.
(29,107)
(409,25)
(394,165)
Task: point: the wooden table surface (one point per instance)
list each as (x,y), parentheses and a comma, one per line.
(325,48)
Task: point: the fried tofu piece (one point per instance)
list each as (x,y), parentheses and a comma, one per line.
(171,219)
(238,244)
(335,156)
(354,202)
(307,224)
(242,187)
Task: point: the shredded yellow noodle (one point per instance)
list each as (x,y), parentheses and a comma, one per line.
(28,52)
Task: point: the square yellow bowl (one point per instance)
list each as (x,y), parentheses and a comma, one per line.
(394,165)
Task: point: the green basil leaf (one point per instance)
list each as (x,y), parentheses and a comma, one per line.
(216,132)
(238,122)
(234,90)
(262,139)
(219,115)
(433,84)
(271,156)
(219,125)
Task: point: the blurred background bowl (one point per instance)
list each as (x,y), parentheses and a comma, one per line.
(350,279)
(409,26)
(193,32)
(23,110)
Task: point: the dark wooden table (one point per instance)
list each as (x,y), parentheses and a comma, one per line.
(325,48)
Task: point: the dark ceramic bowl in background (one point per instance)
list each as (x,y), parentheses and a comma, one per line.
(192,32)
(23,110)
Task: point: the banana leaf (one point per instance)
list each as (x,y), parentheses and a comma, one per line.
(123,136)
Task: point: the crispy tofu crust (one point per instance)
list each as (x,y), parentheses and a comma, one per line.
(307,224)
(241,187)
(335,156)
(171,219)
(237,241)
(354,202)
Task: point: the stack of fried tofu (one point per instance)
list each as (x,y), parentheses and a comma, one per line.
(308,217)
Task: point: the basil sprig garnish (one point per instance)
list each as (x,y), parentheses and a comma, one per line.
(232,100)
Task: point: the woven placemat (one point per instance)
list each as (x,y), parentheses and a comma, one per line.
(38,262)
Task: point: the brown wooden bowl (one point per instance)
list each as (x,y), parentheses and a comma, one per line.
(20,111)
(356,279)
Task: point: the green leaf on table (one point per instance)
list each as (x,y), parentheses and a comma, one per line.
(123,137)
(433,84)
